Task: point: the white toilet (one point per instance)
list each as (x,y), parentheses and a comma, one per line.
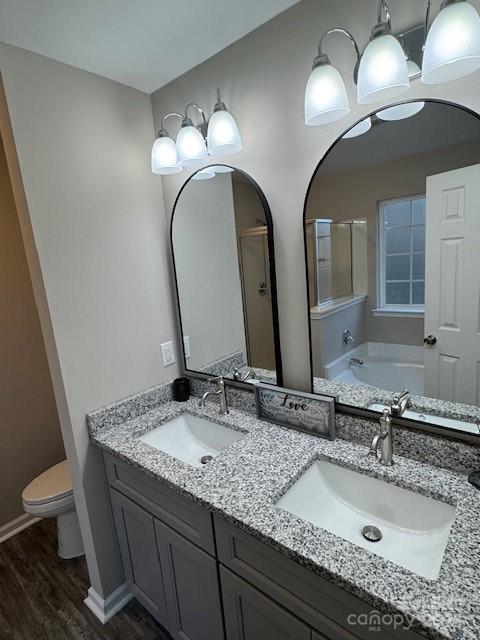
(50,495)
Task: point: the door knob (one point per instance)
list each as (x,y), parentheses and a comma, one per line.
(429,341)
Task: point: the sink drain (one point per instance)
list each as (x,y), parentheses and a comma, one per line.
(371,533)
(205,459)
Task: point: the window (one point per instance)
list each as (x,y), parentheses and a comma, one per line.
(402,254)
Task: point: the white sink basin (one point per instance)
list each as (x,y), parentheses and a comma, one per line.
(190,438)
(451,423)
(414,528)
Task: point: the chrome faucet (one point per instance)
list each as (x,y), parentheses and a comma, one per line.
(238,377)
(347,337)
(400,403)
(385,438)
(221,393)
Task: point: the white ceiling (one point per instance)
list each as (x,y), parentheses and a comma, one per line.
(141,43)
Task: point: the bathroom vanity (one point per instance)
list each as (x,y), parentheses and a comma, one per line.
(234,548)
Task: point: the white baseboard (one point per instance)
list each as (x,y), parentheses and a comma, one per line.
(15,526)
(106,608)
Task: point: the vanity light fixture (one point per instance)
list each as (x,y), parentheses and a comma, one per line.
(326,97)
(383,72)
(191,147)
(221,134)
(164,151)
(452,48)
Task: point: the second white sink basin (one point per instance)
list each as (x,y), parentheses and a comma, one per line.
(191,438)
(414,528)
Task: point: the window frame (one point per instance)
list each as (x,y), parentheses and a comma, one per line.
(399,310)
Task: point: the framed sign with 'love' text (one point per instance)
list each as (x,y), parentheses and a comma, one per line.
(297,410)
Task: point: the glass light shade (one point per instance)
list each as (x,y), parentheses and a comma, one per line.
(191,147)
(400,111)
(204,174)
(383,71)
(359,129)
(164,157)
(221,168)
(452,49)
(223,136)
(326,97)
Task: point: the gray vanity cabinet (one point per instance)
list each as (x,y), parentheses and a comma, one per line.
(191,587)
(249,615)
(138,546)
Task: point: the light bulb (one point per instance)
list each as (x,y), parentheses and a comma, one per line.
(326,97)
(164,155)
(359,129)
(452,49)
(223,136)
(191,147)
(383,71)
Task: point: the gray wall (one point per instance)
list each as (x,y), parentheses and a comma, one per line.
(263,77)
(30,439)
(95,235)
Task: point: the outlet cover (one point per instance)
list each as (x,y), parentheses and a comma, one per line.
(186,346)
(168,353)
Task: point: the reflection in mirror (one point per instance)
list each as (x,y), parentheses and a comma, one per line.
(392,234)
(222,241)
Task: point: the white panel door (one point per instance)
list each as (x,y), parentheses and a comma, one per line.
(452,293)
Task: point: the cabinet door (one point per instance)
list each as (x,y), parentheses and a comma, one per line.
(249,615)
(138,546)
(192,588)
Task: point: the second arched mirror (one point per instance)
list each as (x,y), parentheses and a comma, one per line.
(392,232)
(222,243)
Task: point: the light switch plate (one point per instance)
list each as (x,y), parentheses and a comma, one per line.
(168,353)
(186,346)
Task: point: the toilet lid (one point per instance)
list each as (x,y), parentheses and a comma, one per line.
(51,485)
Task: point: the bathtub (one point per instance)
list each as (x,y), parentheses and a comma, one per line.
(389,366)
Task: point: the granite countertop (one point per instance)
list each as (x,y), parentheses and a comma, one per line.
(243,483)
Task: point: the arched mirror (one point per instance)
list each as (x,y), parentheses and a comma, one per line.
(392,236)
(222,243)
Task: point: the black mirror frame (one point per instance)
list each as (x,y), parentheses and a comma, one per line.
(350,409)
(273,287)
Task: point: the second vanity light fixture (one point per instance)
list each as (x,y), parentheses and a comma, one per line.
(218,137)
(383,72)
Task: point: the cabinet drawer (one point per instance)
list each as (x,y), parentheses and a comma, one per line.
(185,516)
(249,615)
(327,608)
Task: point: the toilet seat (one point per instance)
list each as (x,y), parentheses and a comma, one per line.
(52,486)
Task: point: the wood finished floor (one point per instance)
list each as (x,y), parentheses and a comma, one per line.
(41,596)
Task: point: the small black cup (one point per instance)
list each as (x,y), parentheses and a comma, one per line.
(181,389)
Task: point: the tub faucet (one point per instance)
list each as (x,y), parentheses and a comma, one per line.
(221,393)
(385,438)
(400,403)
(347,337)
